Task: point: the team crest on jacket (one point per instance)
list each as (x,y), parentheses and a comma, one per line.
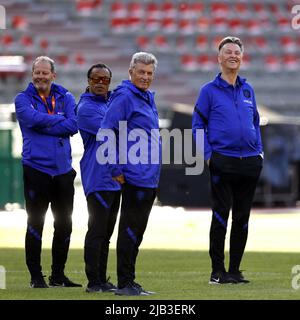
(247,93)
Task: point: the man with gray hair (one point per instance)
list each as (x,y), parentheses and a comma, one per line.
(45,111)
(133,104)
(227,112)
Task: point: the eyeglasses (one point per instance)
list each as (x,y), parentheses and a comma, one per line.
(104,80)
(230,40)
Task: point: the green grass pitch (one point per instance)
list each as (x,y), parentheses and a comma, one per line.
(173,275)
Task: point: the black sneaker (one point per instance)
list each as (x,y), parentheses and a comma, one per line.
(62,281)
(38,282)
(220,277)
(146,291)
(108,286)
(102,287)
(96,288)
(237,277)
(133,289)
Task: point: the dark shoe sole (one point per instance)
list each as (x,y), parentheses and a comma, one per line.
(64,286)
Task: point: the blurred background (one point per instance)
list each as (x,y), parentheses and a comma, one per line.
(183,35)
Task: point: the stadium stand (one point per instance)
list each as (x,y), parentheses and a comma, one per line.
(183,34)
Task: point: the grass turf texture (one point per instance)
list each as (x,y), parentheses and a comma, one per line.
(174,275)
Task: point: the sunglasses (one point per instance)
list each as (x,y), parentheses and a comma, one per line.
(104,80)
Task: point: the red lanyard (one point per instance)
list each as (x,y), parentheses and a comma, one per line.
(52,103)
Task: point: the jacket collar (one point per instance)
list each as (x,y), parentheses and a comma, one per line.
(96,98)
(222,83)
(56,89)
(146,95)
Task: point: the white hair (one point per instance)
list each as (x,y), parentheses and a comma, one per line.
(44,59)
(143,57)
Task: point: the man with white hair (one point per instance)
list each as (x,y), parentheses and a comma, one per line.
(133,103)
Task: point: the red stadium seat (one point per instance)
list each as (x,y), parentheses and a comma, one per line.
(28,58)
(253,27)
(135,9)
(276,10)
(7,40)
(152,24)
(181,45)
(190,10)
(87,7)
(288,43)
(284,24)
(44,44)
(118,9)
(134,23)
(241,9)
(186,26)
(201,43)
(219,9)
(62,59)
(202,24)
(197,8)
(161,43)
(153,11)
(215,42)
(118,25)
(169,10)
(236,25)
(188,62)
(290,62)
(168,25)
(206,62)
(185,10)
(220,24)
(260,10)
(143,43)
(260,44)
(26,41)
(79,59)
(272,63)
(19,22)
(246,62)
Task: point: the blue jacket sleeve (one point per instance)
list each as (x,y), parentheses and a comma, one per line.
(68,126)
(256,125)
(118,110)
(31,118)
(89,118)
(200,120)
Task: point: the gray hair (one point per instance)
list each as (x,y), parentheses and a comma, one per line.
(44,59)
(231,39)
(143,57)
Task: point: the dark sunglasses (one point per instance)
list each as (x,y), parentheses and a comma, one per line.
(104,80)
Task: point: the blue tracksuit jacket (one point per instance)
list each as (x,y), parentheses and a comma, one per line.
(138,109)
(228,114)
(90,112)
(46,137)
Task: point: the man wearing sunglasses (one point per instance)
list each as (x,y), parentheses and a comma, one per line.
(227,112)
(102,192)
